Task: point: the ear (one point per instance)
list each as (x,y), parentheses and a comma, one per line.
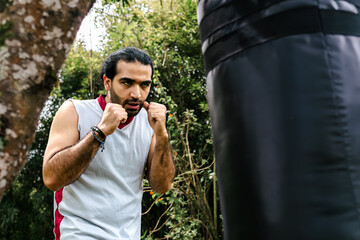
(107,83)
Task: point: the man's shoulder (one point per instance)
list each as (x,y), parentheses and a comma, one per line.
(85,106)
(84,101)
(87,102)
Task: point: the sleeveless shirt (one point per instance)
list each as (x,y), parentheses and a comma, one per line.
(105,201)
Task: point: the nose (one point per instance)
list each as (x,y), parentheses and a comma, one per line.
(135,92)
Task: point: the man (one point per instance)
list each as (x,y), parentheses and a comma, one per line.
(98,193)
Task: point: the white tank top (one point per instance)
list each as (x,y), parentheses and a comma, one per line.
(105,201)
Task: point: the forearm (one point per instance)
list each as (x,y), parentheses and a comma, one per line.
(65,166)
(162,169)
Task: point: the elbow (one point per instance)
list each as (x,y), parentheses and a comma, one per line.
(161,181)
(50,182)
(162,189)
(163,186)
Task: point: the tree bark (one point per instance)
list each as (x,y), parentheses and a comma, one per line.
(35,37)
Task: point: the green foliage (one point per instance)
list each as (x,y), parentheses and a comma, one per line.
(5,31)
(124,2)
(1,144)
(4,4)
(76,76)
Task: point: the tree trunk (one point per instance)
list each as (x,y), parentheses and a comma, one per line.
(35,37)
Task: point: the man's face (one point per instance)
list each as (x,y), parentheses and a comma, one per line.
(130,86)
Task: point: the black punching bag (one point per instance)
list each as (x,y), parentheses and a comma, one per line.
(283,83)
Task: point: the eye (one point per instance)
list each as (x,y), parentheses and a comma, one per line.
(127,83)
(145,84)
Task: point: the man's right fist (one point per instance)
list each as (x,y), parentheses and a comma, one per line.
(113,115)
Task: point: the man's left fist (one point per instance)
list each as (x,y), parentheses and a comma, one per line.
(157,117)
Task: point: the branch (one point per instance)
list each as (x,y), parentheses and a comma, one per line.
(147,211)
(158,221)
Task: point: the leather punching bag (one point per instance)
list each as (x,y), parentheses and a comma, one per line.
(283,83)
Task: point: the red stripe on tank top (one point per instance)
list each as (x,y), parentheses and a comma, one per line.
(58,216)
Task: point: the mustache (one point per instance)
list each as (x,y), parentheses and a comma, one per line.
(133,100)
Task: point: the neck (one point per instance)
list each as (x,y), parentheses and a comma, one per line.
(107,98)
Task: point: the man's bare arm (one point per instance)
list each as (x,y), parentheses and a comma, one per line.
(68,164)
(66,158)
(161,169)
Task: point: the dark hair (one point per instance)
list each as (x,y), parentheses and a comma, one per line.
(127,54)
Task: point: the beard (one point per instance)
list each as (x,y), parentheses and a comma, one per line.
(118,100)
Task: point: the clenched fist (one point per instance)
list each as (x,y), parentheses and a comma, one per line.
(113,115)
(157,117)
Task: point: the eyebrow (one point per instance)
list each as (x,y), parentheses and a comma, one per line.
(132,80)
